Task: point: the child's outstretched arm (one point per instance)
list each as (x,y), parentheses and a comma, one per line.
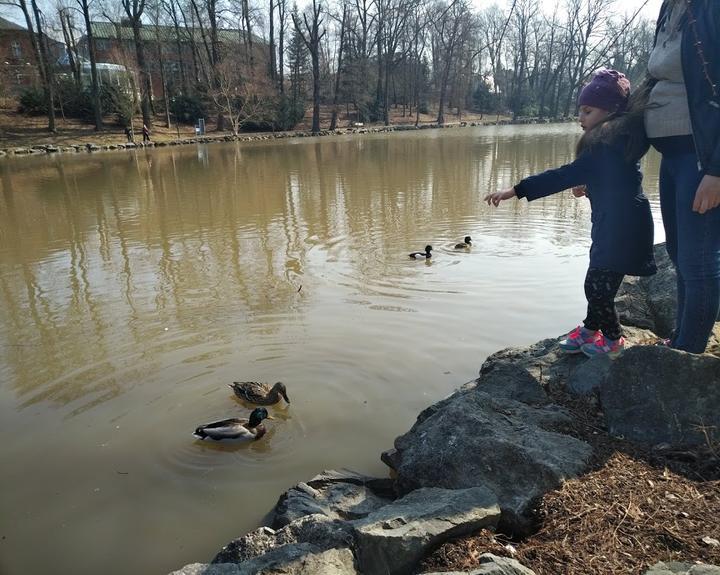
(498,197)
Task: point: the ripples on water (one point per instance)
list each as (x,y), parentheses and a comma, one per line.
(136,285)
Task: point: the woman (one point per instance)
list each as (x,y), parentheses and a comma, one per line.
(683,123)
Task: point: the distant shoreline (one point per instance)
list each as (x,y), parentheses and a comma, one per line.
(88,145)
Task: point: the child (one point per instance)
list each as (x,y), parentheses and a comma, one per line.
(622,226)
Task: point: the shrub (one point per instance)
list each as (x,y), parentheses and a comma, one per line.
(187,109)
(32,102)
(116,100)
(288,113)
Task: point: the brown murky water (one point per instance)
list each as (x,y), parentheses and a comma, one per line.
(134,286)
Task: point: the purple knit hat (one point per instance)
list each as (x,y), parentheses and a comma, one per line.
(608,90)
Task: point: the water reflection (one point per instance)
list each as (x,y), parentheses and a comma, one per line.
(134,286)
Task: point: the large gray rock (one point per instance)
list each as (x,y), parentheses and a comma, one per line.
(493,565)
(318,531)
(673,568)
(649,302)
(205,569)
(301,559)
(659,395)
(296,559)
(544,362)
(635,305)
(591,374)
(474,439)
(392,540)
(341,494)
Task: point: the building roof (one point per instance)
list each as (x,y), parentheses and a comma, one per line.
(150,33)
(8,25)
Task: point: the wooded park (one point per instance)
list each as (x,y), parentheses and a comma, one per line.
(249,66)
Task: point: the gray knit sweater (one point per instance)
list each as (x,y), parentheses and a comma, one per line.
(668,113)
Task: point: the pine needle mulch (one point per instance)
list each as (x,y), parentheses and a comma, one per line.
(633,508)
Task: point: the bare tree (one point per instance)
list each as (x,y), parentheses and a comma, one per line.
(67,27)
(134,10)
(170,8)
(447,24)
(38,39)
(282,23)
(84,6)
(338,70)
(241,94)
(311,37)
(525,13)
(395,15)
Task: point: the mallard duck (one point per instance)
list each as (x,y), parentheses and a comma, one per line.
(422,255)
(234,428)
(260,393)
(465,244)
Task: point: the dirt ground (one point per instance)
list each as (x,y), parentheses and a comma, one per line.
(635,507)
(18,130)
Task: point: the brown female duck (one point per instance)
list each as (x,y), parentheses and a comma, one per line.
(259,393)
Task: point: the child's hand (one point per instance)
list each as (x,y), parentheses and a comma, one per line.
(498,197)
(578,191)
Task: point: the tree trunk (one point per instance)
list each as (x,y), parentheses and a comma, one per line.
(145,87)
(97,102)
(44,64)
(179,48)
(248,32)
(70,47)
(281,45)
(316,91)
(271,47)
(333,120)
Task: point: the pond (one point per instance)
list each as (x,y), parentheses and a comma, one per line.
(134,286)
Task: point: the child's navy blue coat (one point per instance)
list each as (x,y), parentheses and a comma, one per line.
(622,224)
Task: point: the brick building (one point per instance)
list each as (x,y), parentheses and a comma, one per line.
(18,66)
(180,52)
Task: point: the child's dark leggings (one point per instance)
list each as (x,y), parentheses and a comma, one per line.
(601,287)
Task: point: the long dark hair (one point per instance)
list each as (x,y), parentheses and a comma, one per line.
(626,127)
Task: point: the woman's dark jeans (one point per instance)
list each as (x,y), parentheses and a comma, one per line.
(693,244)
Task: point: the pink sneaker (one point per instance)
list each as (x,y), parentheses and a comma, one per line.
(574,341)
(604,346)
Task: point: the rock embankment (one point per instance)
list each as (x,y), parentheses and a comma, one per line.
(480,458)
(257,137)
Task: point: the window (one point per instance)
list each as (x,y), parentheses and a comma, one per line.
(102,44)
(16,50)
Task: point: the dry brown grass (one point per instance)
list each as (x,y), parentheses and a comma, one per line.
(634,508)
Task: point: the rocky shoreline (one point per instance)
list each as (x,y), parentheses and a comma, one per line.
(89,147)
(481,457)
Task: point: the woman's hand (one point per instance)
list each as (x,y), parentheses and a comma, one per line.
(707,196)
(498,197)
(578,191)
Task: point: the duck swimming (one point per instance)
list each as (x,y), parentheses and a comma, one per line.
(422,255)
(465,244)
(259,393)
(238,429)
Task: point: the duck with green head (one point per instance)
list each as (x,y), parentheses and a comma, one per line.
(235,428)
